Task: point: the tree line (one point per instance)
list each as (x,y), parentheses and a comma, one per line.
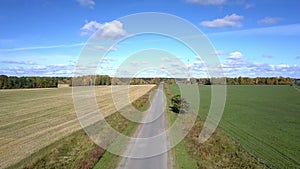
(13,82)
(107,80)
(247,81)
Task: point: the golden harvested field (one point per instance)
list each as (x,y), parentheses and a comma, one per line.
(31,119)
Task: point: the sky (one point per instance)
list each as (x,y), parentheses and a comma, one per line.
(253,38)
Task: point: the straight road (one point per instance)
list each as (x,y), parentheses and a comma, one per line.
(149,151)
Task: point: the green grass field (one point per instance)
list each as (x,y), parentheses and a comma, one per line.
(264,120)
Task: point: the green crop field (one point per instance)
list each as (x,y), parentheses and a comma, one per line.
(265,120)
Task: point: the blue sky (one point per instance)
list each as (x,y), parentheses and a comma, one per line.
(251,37)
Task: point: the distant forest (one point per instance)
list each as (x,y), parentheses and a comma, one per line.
(13,82)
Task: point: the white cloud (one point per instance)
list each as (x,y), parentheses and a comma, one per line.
(40,70)
(90,27)
(113,48)
(108,30)
(232,20)
(102,48)
(166,59)
(112,30)
(235,55)
(107,60)
(282,66)
(18,62)
(207,2)
(249,5)
(87,3)
(269,20)
(236,65)
(218,53)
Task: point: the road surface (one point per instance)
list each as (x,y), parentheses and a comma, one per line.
(150,153)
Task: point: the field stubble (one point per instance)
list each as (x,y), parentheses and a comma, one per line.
(33,119)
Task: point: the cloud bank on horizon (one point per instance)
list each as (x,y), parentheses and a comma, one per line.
(47,38)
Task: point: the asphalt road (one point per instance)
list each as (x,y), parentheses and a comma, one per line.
(149,150)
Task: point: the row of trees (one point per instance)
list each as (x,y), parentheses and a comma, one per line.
(247,81)
(259,81)
(90,80)
(107,80)
(13,82)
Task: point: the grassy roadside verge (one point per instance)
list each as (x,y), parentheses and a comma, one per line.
(77,150)
(110,160)
(180,154)
(218,152)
